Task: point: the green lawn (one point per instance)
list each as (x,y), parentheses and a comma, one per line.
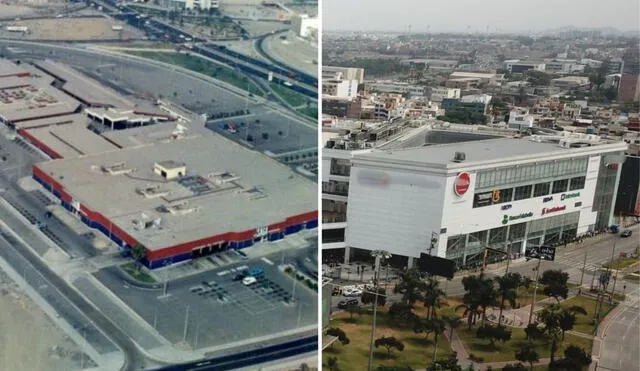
(202,66)
(311,111)
(585,324)
(292,97)
(417,353)
(138,274)
(506,352)
(621,263)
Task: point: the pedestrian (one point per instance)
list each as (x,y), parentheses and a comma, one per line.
(358,269)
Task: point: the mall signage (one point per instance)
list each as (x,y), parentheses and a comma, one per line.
(547,199)
(506,207)
(566,196)
(509,218)
(549,210)
(461,184)
(540,252)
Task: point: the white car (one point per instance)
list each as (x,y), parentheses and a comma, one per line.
(247,281)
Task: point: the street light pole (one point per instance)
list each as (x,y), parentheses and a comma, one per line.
(378,254)
(584,266)
(535,291)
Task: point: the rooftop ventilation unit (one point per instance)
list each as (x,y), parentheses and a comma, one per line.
(181,208)
(223,178)
(152,192)
(459,157)
(117,169)
(254,193)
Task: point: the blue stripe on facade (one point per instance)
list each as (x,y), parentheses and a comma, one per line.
(237,245)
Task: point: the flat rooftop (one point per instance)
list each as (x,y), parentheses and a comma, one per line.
(8,68)
(158,132)
(72,140)
(480,152)
(226,188)
(82,87)
(75,118)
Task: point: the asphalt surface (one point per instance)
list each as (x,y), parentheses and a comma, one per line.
(619,350)
(243,313)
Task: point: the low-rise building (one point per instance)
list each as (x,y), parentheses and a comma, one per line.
(520,119)
(570,82)
(438,93)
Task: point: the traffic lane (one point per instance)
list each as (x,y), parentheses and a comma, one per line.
(621,342)
(41,280)
(130,325)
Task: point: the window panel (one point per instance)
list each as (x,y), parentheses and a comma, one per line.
(560,186)
(522,193)
(577,183)
(541,189)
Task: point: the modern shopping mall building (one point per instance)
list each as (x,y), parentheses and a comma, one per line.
(502,193)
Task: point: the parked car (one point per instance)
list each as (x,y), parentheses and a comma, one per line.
(256,272)
(248,281)
(353,292)
(239,277)
(343,304)
(626,233)
(336,291)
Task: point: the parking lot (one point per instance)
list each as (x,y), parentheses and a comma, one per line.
(268,131)
(213,309)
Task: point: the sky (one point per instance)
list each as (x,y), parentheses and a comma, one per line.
(459,15)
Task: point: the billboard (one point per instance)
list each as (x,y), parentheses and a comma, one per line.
(436,266)
(540,252)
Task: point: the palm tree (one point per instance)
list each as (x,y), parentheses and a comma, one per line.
(432,296)
(138,252)
(437,326)
(480,294)
(508,290)
(551,317)
(471,311)
(411,287)
(452,322)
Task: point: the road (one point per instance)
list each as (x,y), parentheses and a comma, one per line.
(619,350)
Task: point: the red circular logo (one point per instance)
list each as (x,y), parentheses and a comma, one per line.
(461,184)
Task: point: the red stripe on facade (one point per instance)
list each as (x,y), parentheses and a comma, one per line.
(180,248)
(33,140)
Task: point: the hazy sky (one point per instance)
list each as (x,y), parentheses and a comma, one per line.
(457,15)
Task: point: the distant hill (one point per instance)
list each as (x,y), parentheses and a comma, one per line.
(605,31)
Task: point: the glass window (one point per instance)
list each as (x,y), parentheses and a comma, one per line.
(516,231)
(577,183)
(477,239)
(522,193)
(497,235)
(541,189)
(560,186)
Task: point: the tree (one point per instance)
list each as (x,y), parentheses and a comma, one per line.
(432,296)
(480,294)
(411,287)
(538,78)
(332,364)
(568,319)
(551,317)
(340,334)
(353,309)
(528,354)
(449,364)
(575,359)
(369,297)
(508,290)
(452,321)
(138,252)
(493,333)
(555,283)
(394,368)
(401,314)
(389,343)
(533,332)
(429,325)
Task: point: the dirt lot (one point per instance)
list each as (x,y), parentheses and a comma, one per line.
(70,29)
(28,338)
(258,28)
(10,9)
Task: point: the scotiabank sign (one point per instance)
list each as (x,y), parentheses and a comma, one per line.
(549,210)
(461,184)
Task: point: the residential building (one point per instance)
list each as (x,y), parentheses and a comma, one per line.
(520,119)
(340,88)
(472,103)
(570,82)
(518,66)
(397,87)
(347,73)
(615,66)
(438,93)
(304,26)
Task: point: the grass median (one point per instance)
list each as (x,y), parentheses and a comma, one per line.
(586,324)
(203,66)
(138,274)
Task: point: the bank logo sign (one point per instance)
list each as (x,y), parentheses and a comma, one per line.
(548,210)
(509,218)
(566,196)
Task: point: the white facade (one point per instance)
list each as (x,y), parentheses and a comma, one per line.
(438,93)
(304,26)
(347,89)
(395,87)
(395,203)
(198,4)
(520,119)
